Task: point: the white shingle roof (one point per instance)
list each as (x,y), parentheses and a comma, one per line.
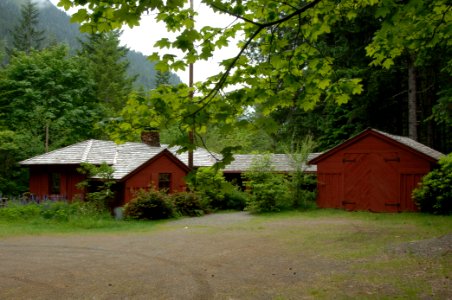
(280,163)
(90,151)
(124,158)
(201,157)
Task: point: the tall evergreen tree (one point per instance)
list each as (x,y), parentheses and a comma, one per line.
(27,35)
(108,64)
(162,78)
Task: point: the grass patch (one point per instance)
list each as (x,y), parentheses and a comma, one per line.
(60,218)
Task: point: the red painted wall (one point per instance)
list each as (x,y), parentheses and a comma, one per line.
(149,174)
(370,174)
(69,178)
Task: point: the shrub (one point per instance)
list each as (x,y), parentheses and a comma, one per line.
(233,198)
(187,204)
(149,205)
(103,197)
(215,191)
(434,194)
(268,191)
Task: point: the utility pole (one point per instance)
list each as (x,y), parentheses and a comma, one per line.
(191,137)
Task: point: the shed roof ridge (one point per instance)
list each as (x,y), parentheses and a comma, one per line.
(87,150)
(413,144)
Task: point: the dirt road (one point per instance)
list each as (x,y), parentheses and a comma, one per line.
(222,256)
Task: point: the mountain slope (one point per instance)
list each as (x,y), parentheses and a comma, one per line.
(58,27)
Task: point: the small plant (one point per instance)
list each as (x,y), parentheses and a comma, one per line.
(434,194)
(187,204)
(149,205)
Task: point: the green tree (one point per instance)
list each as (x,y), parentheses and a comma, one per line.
(295,68)
(108,63)
(50,95)
(162,78)
(27,35)
(413,30)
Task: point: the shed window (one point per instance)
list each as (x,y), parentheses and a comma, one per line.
(54,183)
(165,182)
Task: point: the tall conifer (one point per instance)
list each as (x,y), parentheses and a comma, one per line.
(27,35)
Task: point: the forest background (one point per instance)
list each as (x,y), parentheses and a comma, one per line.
(304,70)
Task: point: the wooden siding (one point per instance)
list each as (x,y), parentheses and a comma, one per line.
(370,173)
(69,178)
(149,175)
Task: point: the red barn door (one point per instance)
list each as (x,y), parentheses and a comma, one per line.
(329,190)
(408,183)
(371,182)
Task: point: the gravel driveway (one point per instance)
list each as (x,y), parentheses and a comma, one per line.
(221,256)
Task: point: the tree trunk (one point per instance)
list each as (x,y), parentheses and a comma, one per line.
(412,105)
(47,138)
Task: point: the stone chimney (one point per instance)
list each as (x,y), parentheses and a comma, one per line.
(151,137)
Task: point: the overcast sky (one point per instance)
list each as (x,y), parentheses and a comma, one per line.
(143,37)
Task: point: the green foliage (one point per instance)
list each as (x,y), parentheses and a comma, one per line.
(26,35)
(149,205)
(267,189)
(215,191)
(60,212)
(101,179)
(299,56)
(162,78)
(187,204)
(108,65)
(434,194)
(52,94)
(16,212)
(14,147)
(300,183)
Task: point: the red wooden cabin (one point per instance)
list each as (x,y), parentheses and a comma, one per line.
(136,166)
(373,171)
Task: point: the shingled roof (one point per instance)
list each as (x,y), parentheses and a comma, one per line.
(407,142)
(124,158)
(280,163)
(127,157)
(413,145)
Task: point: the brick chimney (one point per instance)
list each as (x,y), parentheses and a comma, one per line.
(151,137)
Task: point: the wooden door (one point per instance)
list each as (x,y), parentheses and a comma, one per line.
(408,182)
(329,187)
(371,182)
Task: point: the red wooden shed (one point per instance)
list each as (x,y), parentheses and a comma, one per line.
(373,171)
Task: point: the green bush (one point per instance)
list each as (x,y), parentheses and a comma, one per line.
(149,205)
(215,191)
(233,198)
(187,204)
(268,191)
(434,194)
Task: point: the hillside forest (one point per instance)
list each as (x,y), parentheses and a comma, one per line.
(319,69)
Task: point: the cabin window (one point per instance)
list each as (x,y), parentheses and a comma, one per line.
(165,182)
(54,183)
